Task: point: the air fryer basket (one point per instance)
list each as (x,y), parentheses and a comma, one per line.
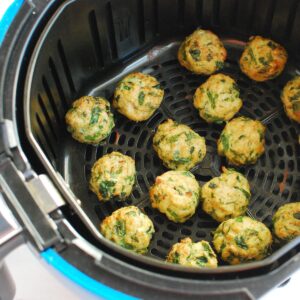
(88,46)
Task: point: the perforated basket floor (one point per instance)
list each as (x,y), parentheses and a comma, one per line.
(274,179)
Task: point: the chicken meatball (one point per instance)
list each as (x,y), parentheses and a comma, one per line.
(137,96)
(191,254)
(286,221)
(113,176)
(129,228)
(263,59)
(175,194)
(241,240)
(226,196)
(218,99)
(242,141)
(202,52)
(90,120)
(178,146)
(290,97)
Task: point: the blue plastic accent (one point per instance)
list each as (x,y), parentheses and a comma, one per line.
(105,292)
(8,17)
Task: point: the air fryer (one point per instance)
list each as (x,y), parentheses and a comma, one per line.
(58,51)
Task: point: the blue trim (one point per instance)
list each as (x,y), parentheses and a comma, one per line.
(54,259)
(8,17)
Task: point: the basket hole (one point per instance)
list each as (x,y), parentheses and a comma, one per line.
(131,142)
(277,139)
(260,213)
(281,165)
(291,165)
(285,194)
(136,194)
(150,178)
(201,234)
(88,153)
(159,219)
(157,253)
(172,227)
(280,151)
(269,202)
(148,210)
(251,174)
(168,235)
(163,244)
(289,150)
(186,231)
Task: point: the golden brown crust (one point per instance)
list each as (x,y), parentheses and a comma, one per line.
(286,221)
(191,254)
(217,99)
(202,52)
(137,96)
(242,239)
(263,59)
(290,98)
(129,228)
(90,120)
(242,141)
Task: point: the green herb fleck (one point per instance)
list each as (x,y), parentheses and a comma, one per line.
(120,228)
(178,159)
(195,53)
(252,54)
(272,45)
(95,115)
(212,99)
(239,219)
(263,61)
(219,65)
(126,87)
(141,98)
(157,86)
(201,261)
(246,194)
(225,142)
(175,258)
(212,185)
(239,240)
(297,215)
(106,188)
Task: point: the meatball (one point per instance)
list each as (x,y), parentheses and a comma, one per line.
(113,175)
(290,97)
(242,141)
(129,228)
(202,52)
(176,194)
(90,120)
(241,240)
(226,196)
(178,146)
(137,96)
(263,59)
(286,221)
(217,99)
(191,254)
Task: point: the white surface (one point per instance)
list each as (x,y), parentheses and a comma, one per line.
(4,4)
(35,280)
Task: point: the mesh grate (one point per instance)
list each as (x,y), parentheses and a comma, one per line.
(280,163)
